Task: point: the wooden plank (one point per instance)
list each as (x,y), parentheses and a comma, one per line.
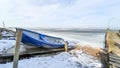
(106,39)
(115,64)
(114,60)
(31,53)
(40,50)
(17,48)
(114,56)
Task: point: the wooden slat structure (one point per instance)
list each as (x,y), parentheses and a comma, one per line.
(113,48)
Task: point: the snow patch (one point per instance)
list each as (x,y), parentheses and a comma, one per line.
(62,60)
(6,44)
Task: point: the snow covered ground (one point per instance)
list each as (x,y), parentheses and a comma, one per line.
(6,44)
(61,60)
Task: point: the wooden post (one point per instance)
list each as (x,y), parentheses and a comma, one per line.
(66,46)
(3,24)
(107,46)
(17,48)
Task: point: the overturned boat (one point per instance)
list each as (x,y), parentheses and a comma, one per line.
(41,40)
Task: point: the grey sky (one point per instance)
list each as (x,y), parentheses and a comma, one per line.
(60,13)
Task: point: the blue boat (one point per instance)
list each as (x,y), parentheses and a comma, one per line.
(41,40)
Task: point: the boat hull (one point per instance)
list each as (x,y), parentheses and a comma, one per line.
(41,40)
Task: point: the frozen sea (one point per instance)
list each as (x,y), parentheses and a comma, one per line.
(93,37)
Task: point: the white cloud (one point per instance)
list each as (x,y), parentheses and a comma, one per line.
(58,13)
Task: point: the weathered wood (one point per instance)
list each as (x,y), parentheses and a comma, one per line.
(107,48)
(115,64)
(114,60)
(31,53)
(66,46)
(17,48)
(104,60)
(7,36)
(112,53)
(113,48)
(117,44)
(117,59)
(106,39)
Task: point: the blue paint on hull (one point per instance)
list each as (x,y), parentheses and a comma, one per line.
(41,40)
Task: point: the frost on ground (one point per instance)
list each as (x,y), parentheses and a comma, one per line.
(62,60)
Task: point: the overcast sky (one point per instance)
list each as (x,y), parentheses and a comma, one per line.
(60,13)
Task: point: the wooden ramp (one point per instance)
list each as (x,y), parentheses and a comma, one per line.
(31,52)
(113,48)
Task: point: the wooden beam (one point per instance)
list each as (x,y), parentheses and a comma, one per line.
(17,48)
(66,46)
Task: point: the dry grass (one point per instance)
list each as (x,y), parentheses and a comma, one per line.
(95,52)
(89,50)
